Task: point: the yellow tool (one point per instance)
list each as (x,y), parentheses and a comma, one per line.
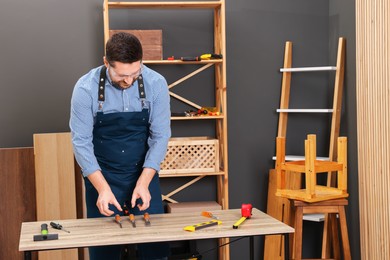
(209,56)
(239,222)
(246,212)
(202,225)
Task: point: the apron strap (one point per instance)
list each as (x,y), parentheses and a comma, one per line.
(141,88)
(102,82)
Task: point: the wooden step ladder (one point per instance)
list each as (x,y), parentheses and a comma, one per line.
(280,207)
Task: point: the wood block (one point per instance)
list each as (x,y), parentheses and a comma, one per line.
(151,41)
(18,197)
(279,208)
(55,184)
(193,206)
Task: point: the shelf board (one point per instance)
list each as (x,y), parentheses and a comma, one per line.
(314,217)
(307,69)
(167,5)
(301,158)
(176,62)
(314,110)
(166,175)
(196,117)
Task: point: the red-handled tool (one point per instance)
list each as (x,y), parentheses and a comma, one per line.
(246,212)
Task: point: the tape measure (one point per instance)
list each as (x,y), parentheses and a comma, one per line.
(202,225)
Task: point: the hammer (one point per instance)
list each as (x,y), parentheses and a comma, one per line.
(45,234)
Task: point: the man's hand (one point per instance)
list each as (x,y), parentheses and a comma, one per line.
(141,190)
(106,196)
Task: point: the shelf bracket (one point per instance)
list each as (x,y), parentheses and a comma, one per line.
(169,195)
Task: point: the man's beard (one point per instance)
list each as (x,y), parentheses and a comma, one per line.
(121,84)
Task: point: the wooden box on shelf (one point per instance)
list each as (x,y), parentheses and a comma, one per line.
(191,155)
(151,41)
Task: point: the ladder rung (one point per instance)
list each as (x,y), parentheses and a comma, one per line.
(289,110)
(300,158)
(325,68)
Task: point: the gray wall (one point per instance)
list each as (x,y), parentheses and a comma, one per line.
(47,45)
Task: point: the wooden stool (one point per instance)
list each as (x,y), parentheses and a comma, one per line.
(310,167)
(331,207)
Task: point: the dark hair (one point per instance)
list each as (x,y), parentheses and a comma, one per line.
(123,47)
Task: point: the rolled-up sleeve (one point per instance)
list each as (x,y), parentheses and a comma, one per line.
(160,125)
(81,125)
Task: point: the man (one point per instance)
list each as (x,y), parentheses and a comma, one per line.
(120,124)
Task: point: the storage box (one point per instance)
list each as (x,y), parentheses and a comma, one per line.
(193,206)
(191,155)
(151,41)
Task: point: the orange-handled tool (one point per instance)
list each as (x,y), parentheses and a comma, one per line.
(147,219)
(208,215)
(118,220)
(132,220)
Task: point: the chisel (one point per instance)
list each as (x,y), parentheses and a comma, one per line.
(118,220)
(132,220)
(147,219)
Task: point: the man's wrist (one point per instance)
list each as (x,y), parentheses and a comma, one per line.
(99,182)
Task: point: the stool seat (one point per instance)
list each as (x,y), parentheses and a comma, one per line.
(330,207)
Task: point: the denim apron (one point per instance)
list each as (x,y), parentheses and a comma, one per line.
(120,145)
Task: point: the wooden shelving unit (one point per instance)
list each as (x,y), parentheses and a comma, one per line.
(219,66)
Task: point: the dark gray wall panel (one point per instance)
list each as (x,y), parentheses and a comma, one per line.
(47,45)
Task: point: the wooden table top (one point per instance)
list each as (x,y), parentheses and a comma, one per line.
(164,227)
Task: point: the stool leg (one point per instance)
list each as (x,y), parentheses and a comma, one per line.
(325,254)
(298,225)
(344,233)
(292,235)
(334,236)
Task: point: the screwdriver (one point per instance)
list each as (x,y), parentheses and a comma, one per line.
(132,220)
(118,220)
(58,226)
(147,219)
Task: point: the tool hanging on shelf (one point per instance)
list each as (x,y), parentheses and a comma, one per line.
(206,56)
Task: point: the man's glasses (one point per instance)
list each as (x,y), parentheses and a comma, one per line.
(132,76)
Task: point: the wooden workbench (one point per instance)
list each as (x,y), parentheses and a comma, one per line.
(164,227)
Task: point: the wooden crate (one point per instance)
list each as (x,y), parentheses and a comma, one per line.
(191,155)
(151,41)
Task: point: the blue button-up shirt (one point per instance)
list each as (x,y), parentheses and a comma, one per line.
(85,105)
